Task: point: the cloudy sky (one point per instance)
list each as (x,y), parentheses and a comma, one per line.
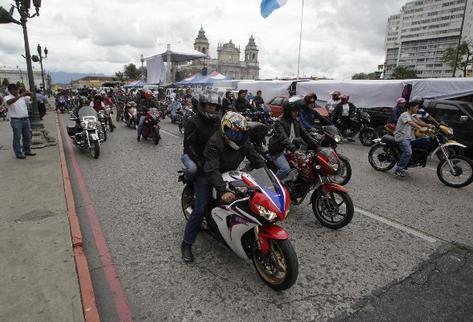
(340,37)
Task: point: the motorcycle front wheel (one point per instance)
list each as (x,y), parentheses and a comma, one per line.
(333,209)
(343,175)
(381,157)
(460,176)
(156,137)
(94,149)
(366,136)
(103,133)
(279,269)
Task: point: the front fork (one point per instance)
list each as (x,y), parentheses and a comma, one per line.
(445,153)
(264,233)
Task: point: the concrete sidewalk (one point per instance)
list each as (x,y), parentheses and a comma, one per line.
(38,276)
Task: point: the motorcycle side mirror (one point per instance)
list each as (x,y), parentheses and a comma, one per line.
(463,118)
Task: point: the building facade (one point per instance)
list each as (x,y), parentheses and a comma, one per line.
(21,76)
(228,61)
(419,35)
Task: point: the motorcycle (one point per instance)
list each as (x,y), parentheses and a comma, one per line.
(187,113)
(451,170)
(3,112)
(87,138)
(311,171)
(130,116)
(120,111)
(329,136)
(61,104)
(360,123)
(248,226)
(151,125)
(261,115)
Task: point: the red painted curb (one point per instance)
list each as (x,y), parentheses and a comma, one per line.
(111,276)
(89,306)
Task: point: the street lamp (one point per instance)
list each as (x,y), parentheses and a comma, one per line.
(39,134)
(142,59)
(39,59)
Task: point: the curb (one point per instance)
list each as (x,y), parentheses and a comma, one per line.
(89,306)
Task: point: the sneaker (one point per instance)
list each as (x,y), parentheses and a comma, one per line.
(31,154)
(138,138)
(186,251)
(20,156)
(400,173)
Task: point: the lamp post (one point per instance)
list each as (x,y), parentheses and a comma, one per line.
(142,59)
(40,137)
(40,58)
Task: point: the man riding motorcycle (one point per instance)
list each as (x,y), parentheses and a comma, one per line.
(145,104)
(198,130)
(333,102)
(287,132)
(308,114)
(97,104)
(397,110)
(227,102)
(342,114)
(225,151)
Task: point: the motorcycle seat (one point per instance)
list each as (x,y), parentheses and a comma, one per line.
(389,140)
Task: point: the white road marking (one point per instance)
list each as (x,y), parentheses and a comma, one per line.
(431,168)
(170,134)
(397,225)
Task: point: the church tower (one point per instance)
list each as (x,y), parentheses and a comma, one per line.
(251,51)
(201,43)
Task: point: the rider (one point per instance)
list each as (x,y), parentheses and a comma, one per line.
(241,104)
(287,132)
(225,151)
(145,104)
(258,100)
(342,114)
(98,105)
(227,102)
(422,115)
(198,130)
(405,136)
(333,102)
(308,114)
(397,110)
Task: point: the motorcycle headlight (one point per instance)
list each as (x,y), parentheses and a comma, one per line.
(91,126)
(450,131)
(267,214)
(82,124)
(337,138)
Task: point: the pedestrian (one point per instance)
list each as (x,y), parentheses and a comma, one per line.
(19,121)
(42,100)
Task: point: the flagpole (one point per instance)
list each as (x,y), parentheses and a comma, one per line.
(300,41)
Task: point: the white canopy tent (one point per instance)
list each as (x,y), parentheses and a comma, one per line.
(442,88)
(270,89)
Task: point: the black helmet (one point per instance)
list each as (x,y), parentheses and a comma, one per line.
(212,99)
(289,107)
(416,100)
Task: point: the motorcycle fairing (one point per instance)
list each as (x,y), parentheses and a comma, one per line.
(270,232)
(332,187)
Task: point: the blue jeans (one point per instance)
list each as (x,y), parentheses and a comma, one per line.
(141,123)
(203,194)
(284,168)
(406,149)
(21,128)
(422,143)
(190,168)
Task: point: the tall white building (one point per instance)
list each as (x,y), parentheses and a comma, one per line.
(418,36)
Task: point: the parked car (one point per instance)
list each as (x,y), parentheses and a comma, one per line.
(276,104)
(456,114)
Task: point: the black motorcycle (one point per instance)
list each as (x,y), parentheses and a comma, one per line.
(184,115)
(360,123)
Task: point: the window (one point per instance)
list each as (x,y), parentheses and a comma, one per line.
(446,112)
(277,101)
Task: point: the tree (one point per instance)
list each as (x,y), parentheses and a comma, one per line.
(465,56)
(120,76)
(5,82)
(374,75)
(131,71)
(403,72)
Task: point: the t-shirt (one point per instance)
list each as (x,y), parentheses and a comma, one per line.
(346,110)
(19,109)
(331,105)
(404,131)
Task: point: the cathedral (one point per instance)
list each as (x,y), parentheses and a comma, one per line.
(227,62)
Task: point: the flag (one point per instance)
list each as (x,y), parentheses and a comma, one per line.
(268,6)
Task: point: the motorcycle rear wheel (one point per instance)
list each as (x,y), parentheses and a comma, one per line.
(461,165)
(366,136)
(332,213)
(381,157)
(187,205)
(280,269)
(343,175)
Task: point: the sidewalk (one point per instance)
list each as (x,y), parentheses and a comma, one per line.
(38,276)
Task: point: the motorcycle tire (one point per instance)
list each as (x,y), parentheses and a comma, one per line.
(283,255)
(380,131)
(366,136)
(455,160)
(343,175)
(156,137)
(94,149)
(386,155)
(104,132)
(324,206)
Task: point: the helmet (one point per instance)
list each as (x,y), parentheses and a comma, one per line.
(234,129)
(289,107)
(417,100)
(211,99)
(400,100)
(148,94)
(344,97)
(310,98)
(336,93)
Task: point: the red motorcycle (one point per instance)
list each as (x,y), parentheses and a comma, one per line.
(151,125)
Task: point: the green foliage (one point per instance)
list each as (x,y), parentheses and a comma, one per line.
(5,82)
(130,71)
(374,75)
(120,76)
(403,72)
(465,56)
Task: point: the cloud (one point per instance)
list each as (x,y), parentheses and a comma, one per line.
(340,37)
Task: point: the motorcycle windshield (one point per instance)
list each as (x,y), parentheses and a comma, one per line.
(86,111)
(267,181)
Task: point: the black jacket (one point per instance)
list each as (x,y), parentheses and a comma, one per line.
(227,105)
(279,141)
(337,112)
(197,133)
(144,105)
(219,157)
(241,105)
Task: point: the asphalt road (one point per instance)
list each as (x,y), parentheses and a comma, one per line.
(398,226)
